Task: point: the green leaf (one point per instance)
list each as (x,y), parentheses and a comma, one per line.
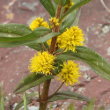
(9,30)
(70,20)
(76,6)
(89,106)
(28,79)
(90,57)
(36,46)
(25,102)
(63,2)
(47,37)
(102,108)
(40,35)
(67,95)
(29,98)
(48,6)
(39,46)
(71,107)
(19,105)
(31,81)
(56,1)
(13,41)
(2,106)
(40,42)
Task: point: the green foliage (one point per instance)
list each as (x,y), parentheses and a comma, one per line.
(71,19)
(61,2)
(89,106)
(29,38)
(71,107)
(76,6)
(25,102)
(68,95)
(48,6)
(37,46)
(11,38)
(14,30)
(29,98)
(30,78)
(90,57)
(47,37)
(2,106)
(30,81)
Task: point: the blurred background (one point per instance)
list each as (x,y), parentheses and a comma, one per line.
(95,22)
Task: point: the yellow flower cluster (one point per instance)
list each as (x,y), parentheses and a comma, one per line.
(71,38)
(69,73)
(69,5)
(37,23)
(43,62)
(54,22)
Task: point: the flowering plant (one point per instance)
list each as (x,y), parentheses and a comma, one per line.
(60,43)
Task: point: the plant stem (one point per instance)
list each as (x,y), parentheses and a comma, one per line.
(55,29)
(39,91)
(44,96)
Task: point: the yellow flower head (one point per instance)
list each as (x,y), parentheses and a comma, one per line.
(69,73)
(69,5)
(71,38)
(43,62)
(54,22)
(37,23)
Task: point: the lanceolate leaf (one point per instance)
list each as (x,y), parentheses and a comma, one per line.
(40,43)
(90,106)
(25,102)
(76,6)
(68,95)
(48,6)
(47,37)
(62,2)
(36,46)
(2,105)
(9,30)
(29,98)
(19,105)
(28,79)
(90,57)
(23,40)
(71,19)
(16,30)
(71,107)
(39,46)
(40,35)
(31,81)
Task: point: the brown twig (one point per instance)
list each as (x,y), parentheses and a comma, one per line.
(44,95)
(39,92)
(55,29)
